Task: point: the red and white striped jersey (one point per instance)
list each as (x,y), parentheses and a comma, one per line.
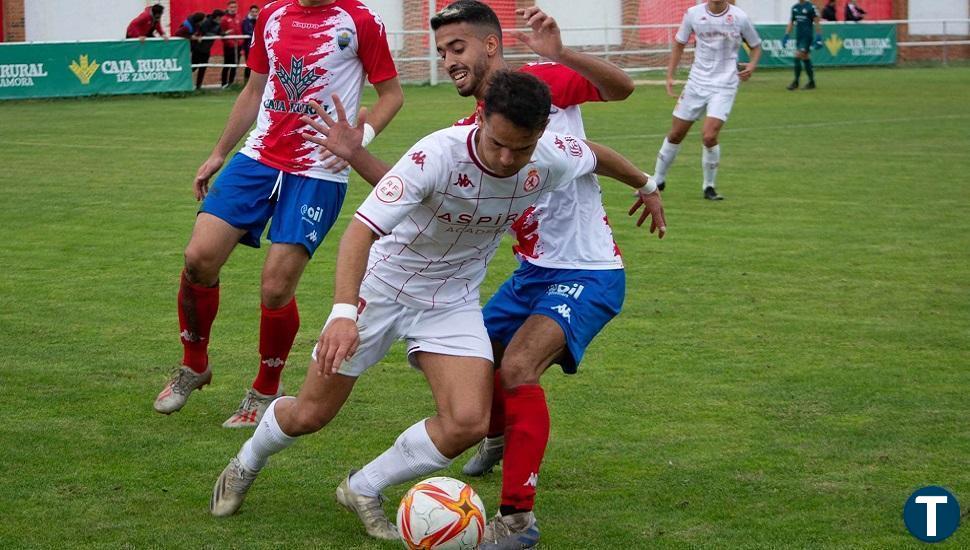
(441,213)
(568,228)
(311,52)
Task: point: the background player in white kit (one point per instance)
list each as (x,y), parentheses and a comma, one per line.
(440,214)
(718,28)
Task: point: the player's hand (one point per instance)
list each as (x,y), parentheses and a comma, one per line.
(546,38)
(818,42)
(338,139)
(206,171)
(338,342)
(784,40)
(746,71)
(670,87)
(653,208)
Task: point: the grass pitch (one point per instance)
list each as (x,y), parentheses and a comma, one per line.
(790,364)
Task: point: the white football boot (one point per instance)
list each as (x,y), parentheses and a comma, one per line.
(368,509)
(488,454)
(251,409)
(176,392)
(230,489)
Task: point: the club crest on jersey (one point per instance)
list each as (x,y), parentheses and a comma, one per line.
(297,80)
(464,181)
(730,19)
(390,189)
(344,37)
(531,181)
(418,158)
(575,149)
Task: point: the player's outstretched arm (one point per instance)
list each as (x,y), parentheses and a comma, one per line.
(676,52)
(612,164)
(546,40)
(340,338)
(344,141)
(241,119)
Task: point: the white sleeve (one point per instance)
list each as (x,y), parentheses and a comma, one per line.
(749,34)
(403,188)
(572,158)
(685,30)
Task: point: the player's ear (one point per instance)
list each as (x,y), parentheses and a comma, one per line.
(479,116)
(493,45)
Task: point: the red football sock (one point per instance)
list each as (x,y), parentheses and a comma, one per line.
(496,423)
(197,307)
(526,437)
(277,330)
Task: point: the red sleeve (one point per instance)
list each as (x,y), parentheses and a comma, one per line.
(567,87)
(372,48)
(158,28)
(257,59)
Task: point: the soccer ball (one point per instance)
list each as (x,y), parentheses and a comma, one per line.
(441,513)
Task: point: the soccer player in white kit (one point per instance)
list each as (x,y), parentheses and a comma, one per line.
(718,28)
(438,217)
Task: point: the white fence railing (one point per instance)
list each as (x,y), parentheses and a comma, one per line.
(419,63)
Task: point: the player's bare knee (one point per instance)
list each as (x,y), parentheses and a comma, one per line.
(200,268)
(275,292)
(710,139)
(517,371)
(675,137)
(466,427)
(306,419)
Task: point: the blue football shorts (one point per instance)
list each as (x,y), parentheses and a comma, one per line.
(248,193)
(581,301)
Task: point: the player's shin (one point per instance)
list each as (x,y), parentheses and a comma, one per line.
(665,158)
(711,159)
(197,308)
(412,456)
(526,437)
(798,69)
(267,440)
(809,70)
(277,330)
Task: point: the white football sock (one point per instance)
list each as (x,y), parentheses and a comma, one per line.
(710,160)
(412,456)
(268,440)
(665,158)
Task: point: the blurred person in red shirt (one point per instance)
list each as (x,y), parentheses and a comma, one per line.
(147,24)
(230,25)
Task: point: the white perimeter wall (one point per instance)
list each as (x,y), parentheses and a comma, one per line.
(582,13)
(767,11)
(60,20)
(392,13)
(939,9)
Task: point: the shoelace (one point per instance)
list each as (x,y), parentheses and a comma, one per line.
(372,510)
(181,380)
(239,479)
(248,403)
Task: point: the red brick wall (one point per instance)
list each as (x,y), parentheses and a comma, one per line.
(13,20)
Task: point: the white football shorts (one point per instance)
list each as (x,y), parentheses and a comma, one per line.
(694,99)
(458,330)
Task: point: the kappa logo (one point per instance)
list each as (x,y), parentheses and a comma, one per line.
(188,336)
(273,362)
(563,309)
(531,181)
(312,236)
(560,144)
(532,481)
(84,69)
(464,181)
(418,158)
(390,189)
(297,80)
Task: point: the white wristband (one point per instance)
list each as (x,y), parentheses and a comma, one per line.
(369,135)
(648,187)
(342,311)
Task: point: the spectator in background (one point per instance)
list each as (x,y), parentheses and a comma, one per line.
(230,46)
(191,29)
(207,29)
(248,26)
(147,24)
(829,11)
(853,12)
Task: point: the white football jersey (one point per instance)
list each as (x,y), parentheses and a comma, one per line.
(718,38)
(441,213)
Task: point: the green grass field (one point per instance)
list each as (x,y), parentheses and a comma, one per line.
(790,364)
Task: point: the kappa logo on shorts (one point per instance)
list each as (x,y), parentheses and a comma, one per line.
(312,236)
(563,309)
